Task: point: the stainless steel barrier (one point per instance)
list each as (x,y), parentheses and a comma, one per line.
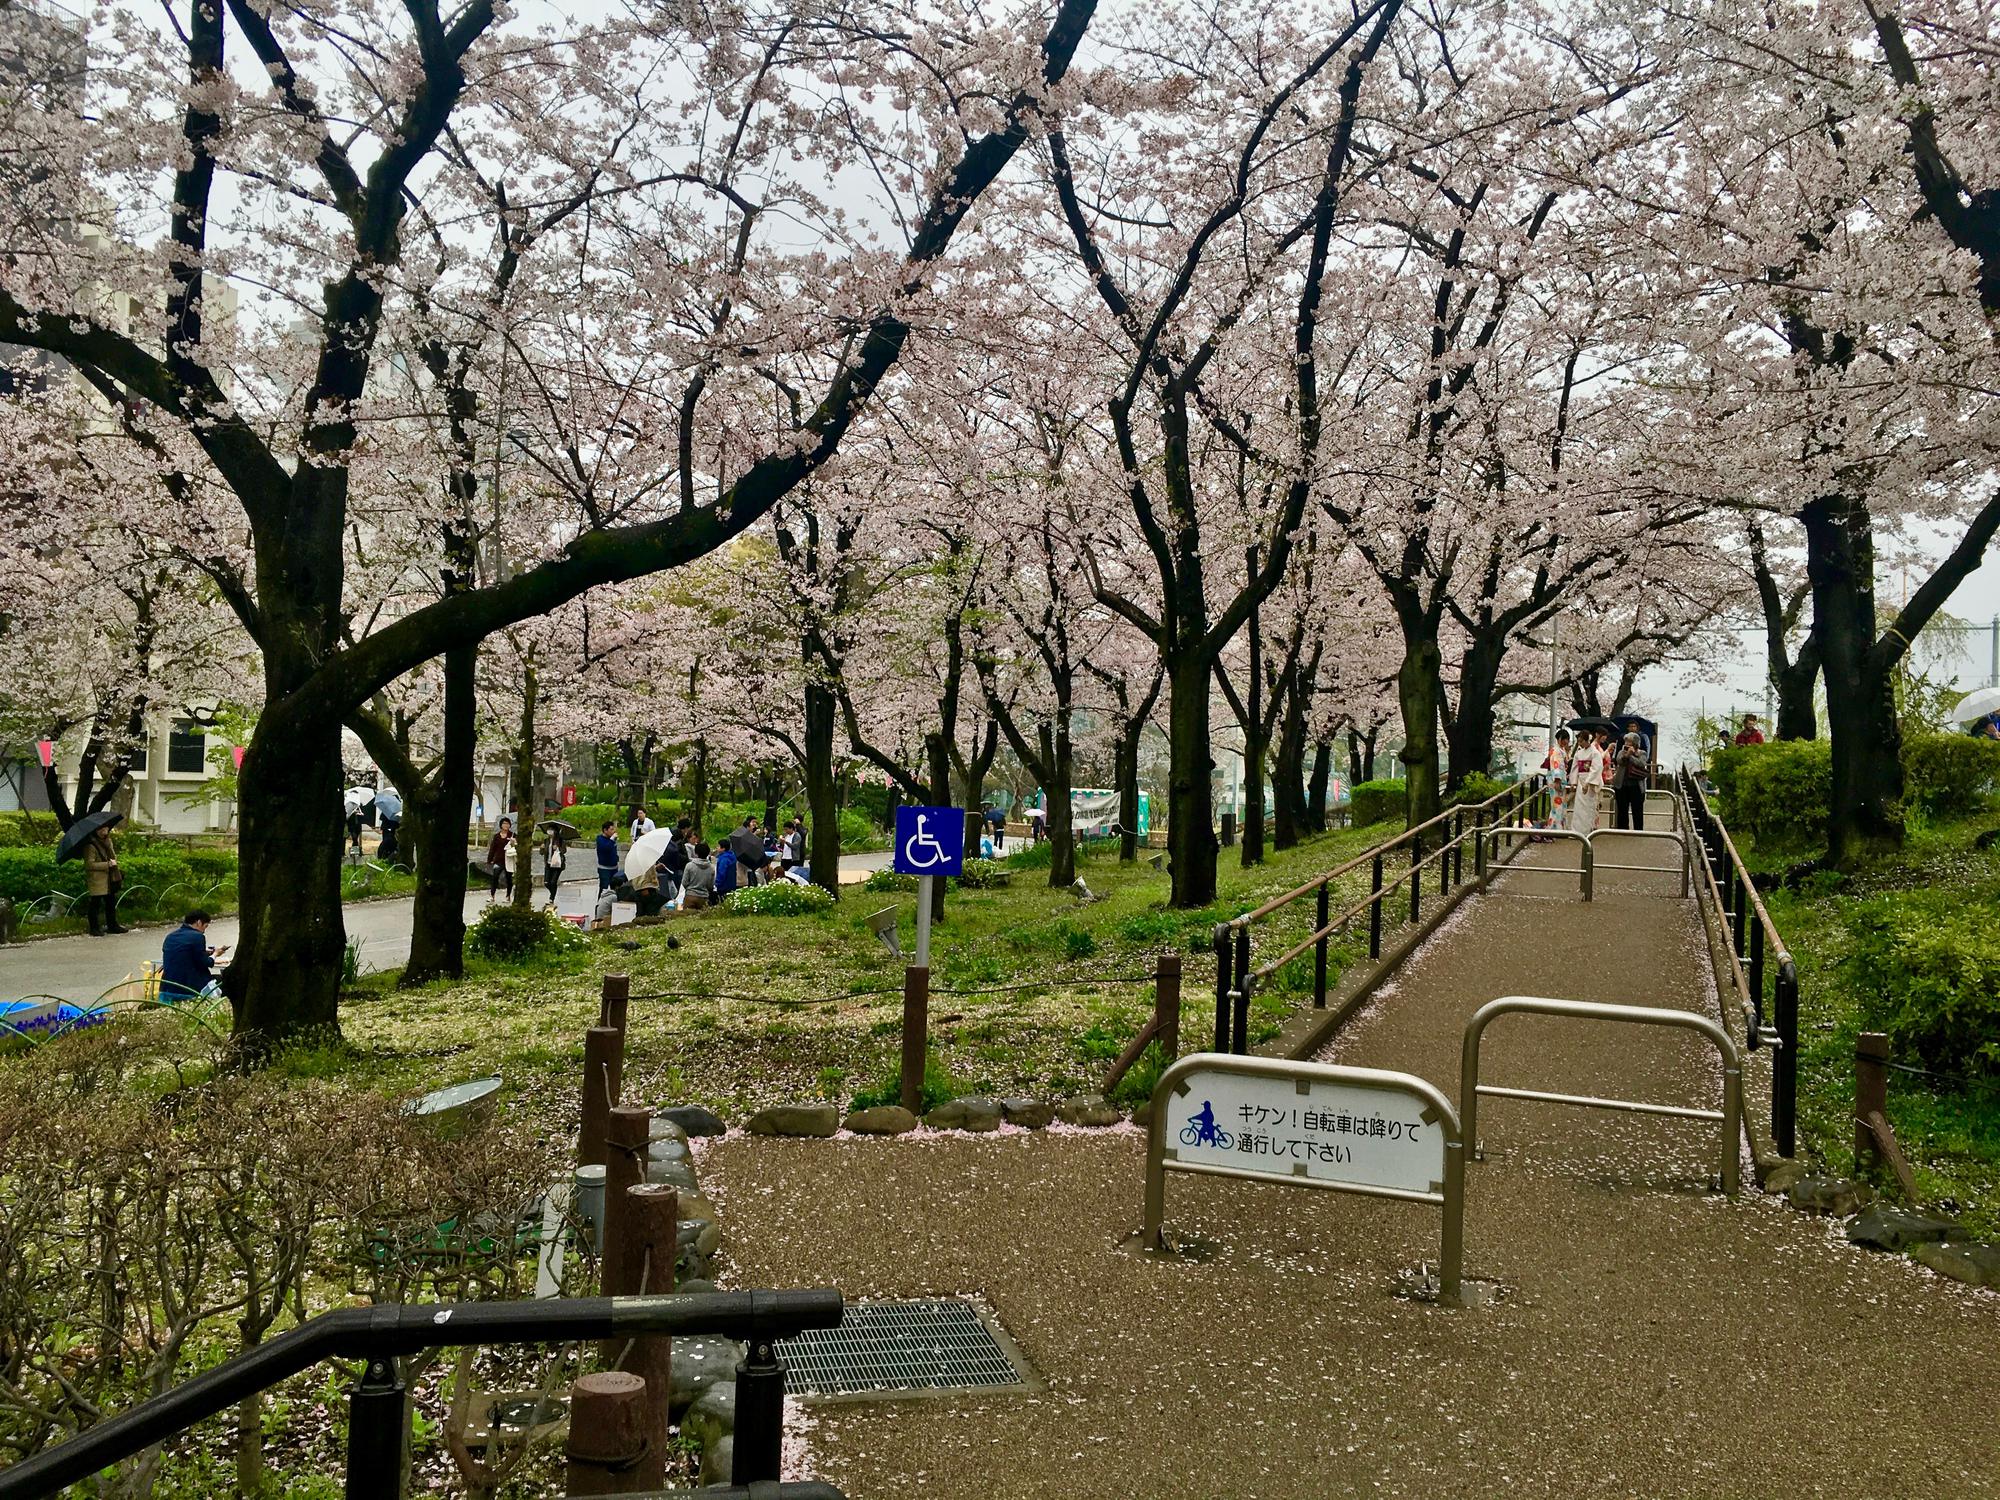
(1586,871)
(1730,1115)
(1687,859)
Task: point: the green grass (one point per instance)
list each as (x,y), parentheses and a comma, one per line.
(821,1017)
(1950,1131)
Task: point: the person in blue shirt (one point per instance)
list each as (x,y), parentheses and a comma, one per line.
(607,856)
(725,871)
(187,963)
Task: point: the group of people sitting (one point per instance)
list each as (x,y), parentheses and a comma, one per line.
(690,873)
(1580,774)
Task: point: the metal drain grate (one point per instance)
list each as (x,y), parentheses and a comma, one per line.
(936,1344)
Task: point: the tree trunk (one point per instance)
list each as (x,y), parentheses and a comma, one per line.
(527,779)
(1059,766)
(1251,834)
(284,981)
(1417,692)
(1316,797)
(1125,763)
(1864,814)
(1288,774)
(438,822)
(1470,735)
(822,789)
(1798,716)
(1191,845)
(698,789)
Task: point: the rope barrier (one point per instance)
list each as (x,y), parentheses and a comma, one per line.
(988,989)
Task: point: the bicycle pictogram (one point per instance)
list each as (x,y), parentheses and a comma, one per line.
(1201,1130)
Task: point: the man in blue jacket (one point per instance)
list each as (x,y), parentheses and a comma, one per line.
(607,856)
(187,963)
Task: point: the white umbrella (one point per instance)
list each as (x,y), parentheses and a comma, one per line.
(1977,704)
(358,796)
(646,852)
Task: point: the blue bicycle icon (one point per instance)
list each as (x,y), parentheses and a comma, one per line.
(1201,1130)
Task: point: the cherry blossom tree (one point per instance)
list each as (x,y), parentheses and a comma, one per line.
(224,134)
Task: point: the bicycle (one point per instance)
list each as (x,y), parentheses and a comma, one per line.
(1194,1135)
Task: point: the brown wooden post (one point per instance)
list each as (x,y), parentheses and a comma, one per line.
(644,1266)
(608,1452)
(603,1077)
(1167,1005)
(613,1001)
(1871,1092)
(627,1133)
(916,1034)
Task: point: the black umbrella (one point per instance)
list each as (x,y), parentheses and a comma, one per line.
(82,830)
(1596,724)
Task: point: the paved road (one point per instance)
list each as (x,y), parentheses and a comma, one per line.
(1650,1338)
(83,967)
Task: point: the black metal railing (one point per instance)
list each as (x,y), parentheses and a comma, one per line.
(1756,951)
(378,1410)
(1437,844)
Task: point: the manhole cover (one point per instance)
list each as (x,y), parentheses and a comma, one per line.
(935,1344)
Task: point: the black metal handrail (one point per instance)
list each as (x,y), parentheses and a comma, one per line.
(1755,948)
(1235,980)
(377,1406)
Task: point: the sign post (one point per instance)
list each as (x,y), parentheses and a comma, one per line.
(1354,1130)
(930,844)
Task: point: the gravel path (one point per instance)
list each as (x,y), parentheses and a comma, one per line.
(1650,1338)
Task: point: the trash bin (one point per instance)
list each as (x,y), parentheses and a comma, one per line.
(1229,830)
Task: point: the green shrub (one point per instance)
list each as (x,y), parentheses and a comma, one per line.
(1064,935)
(1477,787)
(1033,857)
(983,874)
(507,934)
(1949,775)
(27,873)
(859,832)
(888,880)
(1778,792)
(783,898)
(1376,802)
(22,830)
(1929,969)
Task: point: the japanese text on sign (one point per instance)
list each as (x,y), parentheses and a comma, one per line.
(1291,1127)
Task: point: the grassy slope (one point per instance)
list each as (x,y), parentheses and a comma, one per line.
(824,1017)
(1951,1134)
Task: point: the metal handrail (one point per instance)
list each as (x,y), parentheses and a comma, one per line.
(381,1333)
(1757,943)
(1466,822)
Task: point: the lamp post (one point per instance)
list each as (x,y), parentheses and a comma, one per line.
(46,749)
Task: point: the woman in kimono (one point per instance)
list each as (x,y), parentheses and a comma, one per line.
(1555,772)
(1586,789)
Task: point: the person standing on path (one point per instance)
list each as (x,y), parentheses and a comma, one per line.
(1628,783)
(607,856)
(103,877)
(642,823)
(552,864)
(500,860)
(1555,770)
(1587,769)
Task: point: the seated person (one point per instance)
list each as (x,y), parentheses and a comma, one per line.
(187,963)
(646,892)
(698,880)
(725,871)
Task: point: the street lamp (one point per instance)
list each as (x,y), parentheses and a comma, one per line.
(46,749)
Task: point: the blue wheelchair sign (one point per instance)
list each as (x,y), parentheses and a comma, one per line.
(929,841)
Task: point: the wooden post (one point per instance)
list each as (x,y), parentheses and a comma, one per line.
(1871,1092)
(613,1001)
(1167,1005)
(603,1078)
(916,1034)
(642,1264)
(608,1452)
(626,1136)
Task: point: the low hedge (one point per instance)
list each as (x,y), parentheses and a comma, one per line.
(1376,802)
(29,873)
(1929,970)
(1780,792)
(783,898)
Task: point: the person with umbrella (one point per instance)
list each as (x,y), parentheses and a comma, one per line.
(389,814)
(90,836)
